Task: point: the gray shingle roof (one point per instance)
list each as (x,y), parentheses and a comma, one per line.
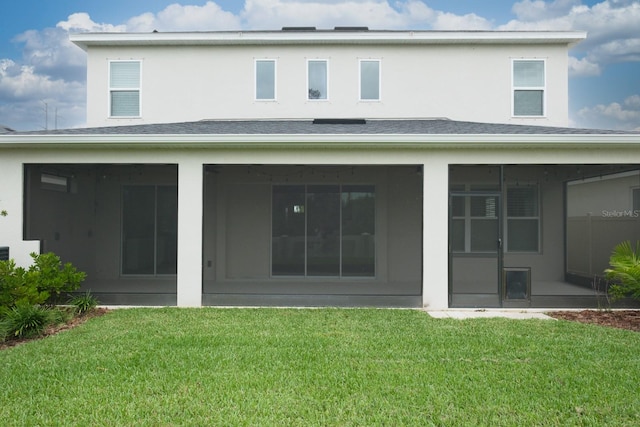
(307,127)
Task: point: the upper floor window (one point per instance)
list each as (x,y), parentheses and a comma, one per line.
(265,79)
(317,79)
(124,88)
(528,87)
(370,80)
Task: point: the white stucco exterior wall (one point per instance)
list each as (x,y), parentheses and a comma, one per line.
(468,82)
(11,225)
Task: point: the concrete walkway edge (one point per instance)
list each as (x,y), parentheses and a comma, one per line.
(488,313)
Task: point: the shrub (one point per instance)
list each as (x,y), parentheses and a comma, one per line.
(625,271)
(14,288)
(26,321)
(45,278)
(84,303)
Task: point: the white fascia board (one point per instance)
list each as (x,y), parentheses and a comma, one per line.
(85,40)
(333,141)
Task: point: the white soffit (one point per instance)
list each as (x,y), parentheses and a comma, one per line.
(85,40)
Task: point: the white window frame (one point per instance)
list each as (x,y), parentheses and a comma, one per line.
(275,79)
(326,61)
(537,217)
(542,88)
(468,219)
(129,89)
(379,61)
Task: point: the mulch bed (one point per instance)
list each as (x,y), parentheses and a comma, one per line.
(52,330)
(622,319)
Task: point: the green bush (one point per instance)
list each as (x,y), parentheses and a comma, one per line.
(625,271)
(26,321)
(45,278)
(83,303)
(14,288)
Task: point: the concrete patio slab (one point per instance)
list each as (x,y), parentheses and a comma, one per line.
(475,313)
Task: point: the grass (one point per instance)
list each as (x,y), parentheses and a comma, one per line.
(151,367)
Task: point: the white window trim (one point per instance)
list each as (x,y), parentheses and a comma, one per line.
(468,218)
(543,88)
(307,72)
(139,89)
(275,79)
(379,61)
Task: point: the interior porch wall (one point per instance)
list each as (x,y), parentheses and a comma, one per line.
(83,225)
(237,230)
(63,221)
(548,263)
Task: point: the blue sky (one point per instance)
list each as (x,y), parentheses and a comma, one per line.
(42,75)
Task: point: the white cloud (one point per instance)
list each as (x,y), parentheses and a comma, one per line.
(625,115)
(375,14)
(81,22)
(583,67)
(177,17)
(538,10)
(274,14)
(612,26)
(49,51)
(633,102)
(31,93)
(450,21)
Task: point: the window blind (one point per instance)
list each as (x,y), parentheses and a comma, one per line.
(125,75)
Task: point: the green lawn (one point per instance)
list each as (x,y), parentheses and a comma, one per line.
(358,367)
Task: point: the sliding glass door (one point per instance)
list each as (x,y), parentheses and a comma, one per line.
(323,230)
(149,229)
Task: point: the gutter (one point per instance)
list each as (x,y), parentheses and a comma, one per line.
(325,141)
(86,40)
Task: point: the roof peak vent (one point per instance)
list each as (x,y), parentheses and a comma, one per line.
(339,122)
(351,28)
(298,28)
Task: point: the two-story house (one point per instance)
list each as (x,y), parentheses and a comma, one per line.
(326,167)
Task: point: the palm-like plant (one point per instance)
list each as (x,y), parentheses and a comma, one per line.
(624,271)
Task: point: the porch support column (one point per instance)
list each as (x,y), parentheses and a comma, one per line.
(435,269)
(190,205)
